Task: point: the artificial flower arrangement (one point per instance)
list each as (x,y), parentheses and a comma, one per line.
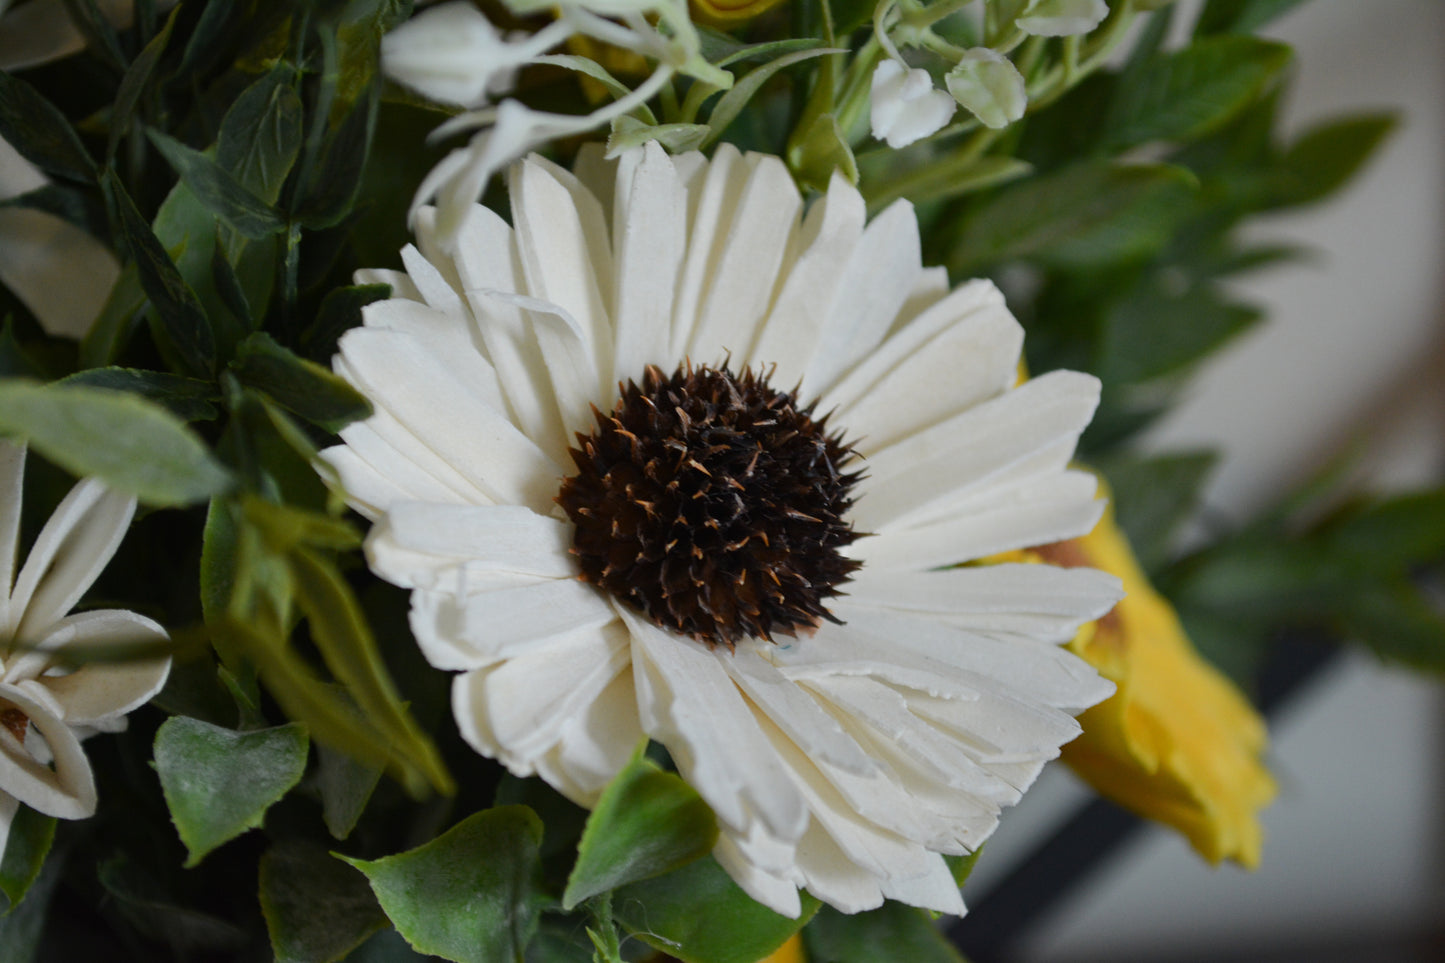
(628,532)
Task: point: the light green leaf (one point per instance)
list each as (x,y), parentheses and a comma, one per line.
(317,910)
(699,915)
(260,135)
(218,783)
(26,847)
(132,444)
(819,152)
(223,194)
(108,336)
(891,933)
(39,131)
(298,385)
(1185,94)
(472,895)
(647,822)
(628,132)
(732,103)
(949,177)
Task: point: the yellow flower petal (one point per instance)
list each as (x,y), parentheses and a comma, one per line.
(728,12)
(1177,743)
(789,952)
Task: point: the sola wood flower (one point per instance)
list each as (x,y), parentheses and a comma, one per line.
(669,457)
(45,708)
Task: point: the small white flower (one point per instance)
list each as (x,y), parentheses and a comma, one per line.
(453,55)
(1062,18)
(987,84)
(904,104)
(46,710)
(884,724)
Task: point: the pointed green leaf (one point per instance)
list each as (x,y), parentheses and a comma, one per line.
(260,135)
(1153,333)
(888,934)
(317,910)
(346,785)
(472,895)
(1398,624)
(647,822)
(132,444)
(1240,16)
(39,131)
(820,151)
(1325,158)
(223,194)
(298,385)
(218,783)
(26,847)
(187,398)
(340,311)
(699,915)
(732,103)
(1153,497)
(133,84)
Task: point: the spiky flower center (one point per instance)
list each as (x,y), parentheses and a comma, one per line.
(713,504)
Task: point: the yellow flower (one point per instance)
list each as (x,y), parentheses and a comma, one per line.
(728,13)
(789,952)
(1178,743)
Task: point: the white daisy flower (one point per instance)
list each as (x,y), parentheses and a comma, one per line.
(712,565)
(45,709)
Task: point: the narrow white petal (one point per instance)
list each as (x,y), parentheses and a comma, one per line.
(101,691)
(419,544)
(774,890)
(932,890)
(68,790)
(570,363)
(649,231)
(483,627)
(595,744)
(12,482)
(711,199)
(436,290)
(447,336)
(75,544)
(391,452)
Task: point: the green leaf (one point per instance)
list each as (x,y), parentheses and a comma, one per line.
(346,785)
(629,132)
(1185,94)
(260,135)
(1240,16)
(317,910)
(1152,497)
(218,783)
(647,822)
(820,151)
(1089,213)
(888,934)
(40,132)
(223,195)
(157,911)
(1391,536)
(133,84)
(699,915)
(187,398)
(962,866)
(337,176)
(1325,158)
(732,103)
(132,444)
(26,847)
(229,289)
(945,179)
(1398,624)
(1153,333)
(298,385)
(96,28)
(108,336)
(472,895)
(183,320)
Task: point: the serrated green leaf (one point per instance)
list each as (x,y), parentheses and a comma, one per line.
(1326,157)
(187,398)
(317,910)
(1089,213)
(1152,497)
(298,385)
(218,783)
(132,444)
(699,915)
(891,933)
(26,846)
(1153,333)
(472,895)
(184,323)
(1185,94)
(223,195)
(260,135)
(40,132)
(648,822)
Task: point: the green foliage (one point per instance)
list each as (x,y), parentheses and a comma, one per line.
(1154,497)
(300,386)
(40,132)
(28,843)
(647,822)
(892,932)
(219,783)
(472,895)
(317,910)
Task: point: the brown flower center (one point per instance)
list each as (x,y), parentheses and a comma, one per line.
(713,504)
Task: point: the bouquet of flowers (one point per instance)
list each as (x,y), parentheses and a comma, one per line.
(628,479)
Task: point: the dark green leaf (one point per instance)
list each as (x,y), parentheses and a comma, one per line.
(647,822)
(699,915)
(337,175)
(21,930)
(31,834)
(1152,497)
(891,933)
(183,320)
(298,385)
(1153,333)
(132,444)
(15,361)
(218,783)
(346,785)
(133,84)
(1398,624)
(228,286)
(340,311)
(1240,16)
(222,194)
(108,336)
(187,398)
(471,895)
(100,37)
(1325,158)
(1088,213)
(157,911)
(317,910)
(731,104)
(1391,536)
(40,132)
(1184,94)
(261,133)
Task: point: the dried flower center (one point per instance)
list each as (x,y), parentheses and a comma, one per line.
(713,504)
(15,721)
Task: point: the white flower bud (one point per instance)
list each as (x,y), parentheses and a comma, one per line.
(987,84)
(451,54)
(905,106)
(1062,18)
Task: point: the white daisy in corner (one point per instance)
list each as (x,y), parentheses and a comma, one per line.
(740,551)
(46,709)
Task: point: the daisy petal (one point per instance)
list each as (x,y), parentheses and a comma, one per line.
(515,617)
(595,744)
(650,242)
(12,479)
(419,544)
